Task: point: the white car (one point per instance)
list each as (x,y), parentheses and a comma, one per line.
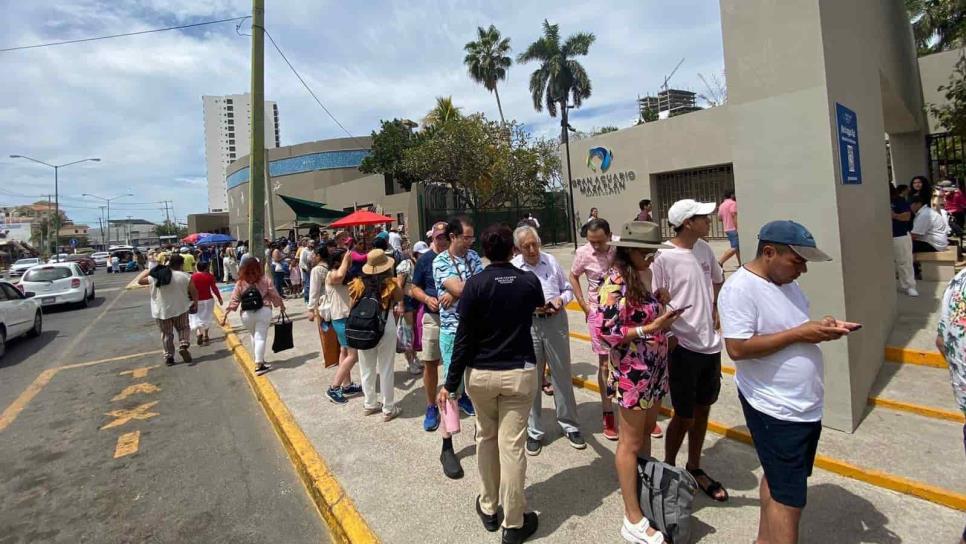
(19,314)
(59,258)
(21,266)
(101,258)
(60,283)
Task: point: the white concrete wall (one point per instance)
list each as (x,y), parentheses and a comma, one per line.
(935,70)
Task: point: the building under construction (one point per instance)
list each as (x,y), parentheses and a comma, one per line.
(668,103)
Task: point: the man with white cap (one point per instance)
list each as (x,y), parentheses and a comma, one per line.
(768,333)
(690,272)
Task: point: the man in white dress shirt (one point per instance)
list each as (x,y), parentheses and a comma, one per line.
(551,339)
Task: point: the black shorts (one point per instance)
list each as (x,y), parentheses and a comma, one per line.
(694,379)
(786,451)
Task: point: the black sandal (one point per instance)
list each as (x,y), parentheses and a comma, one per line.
(712,489)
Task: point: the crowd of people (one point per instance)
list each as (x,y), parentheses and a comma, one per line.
(923,218)
(659,313)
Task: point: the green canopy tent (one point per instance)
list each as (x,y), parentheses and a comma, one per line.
(311,212)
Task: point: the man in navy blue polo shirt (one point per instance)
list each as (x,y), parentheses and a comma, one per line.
(424,291)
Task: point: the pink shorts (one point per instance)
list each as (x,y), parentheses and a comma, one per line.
(594,321)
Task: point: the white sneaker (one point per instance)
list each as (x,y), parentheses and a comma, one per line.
(912,292)
(637,533)
(415,368)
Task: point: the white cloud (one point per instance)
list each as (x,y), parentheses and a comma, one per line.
(136,101)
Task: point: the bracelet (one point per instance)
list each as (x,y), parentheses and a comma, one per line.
(640,332)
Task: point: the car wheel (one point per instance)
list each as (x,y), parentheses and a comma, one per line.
(3,343)
(83,302)
(92,293)
(38,325)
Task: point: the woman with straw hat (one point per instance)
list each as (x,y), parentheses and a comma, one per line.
(635,326)
(378,282)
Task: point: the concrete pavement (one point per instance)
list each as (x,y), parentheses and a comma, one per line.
(115,447)
(392,473)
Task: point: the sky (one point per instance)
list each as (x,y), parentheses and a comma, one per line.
(135,102)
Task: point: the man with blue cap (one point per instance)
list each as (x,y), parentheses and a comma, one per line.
(768,333)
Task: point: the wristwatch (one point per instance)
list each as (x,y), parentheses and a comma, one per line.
(453,396)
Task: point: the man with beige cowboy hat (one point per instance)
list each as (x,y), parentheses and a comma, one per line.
(377,286)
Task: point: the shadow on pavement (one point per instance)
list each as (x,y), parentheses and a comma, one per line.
(20,349)
(836,515)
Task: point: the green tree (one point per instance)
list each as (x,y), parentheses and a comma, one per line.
(952,113)
(937,25)
(388,147)
(169,228)
(648,116)
(444,112)
(559,76)
(604,130)
(487,60)
(485,163)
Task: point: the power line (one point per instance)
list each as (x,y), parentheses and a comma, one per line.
(306,85)
(50,44)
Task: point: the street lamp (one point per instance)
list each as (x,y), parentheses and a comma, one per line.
(108,200)
(56,168)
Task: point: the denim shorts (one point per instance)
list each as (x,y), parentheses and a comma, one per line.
(732,238)
(786,450)
(339,326)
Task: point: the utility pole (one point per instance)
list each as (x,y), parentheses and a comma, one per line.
(167,217)
(270,197)
(129,229)
(256,158)
(101,223)
(50,221)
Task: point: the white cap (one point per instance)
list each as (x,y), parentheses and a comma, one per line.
(420,247)
(682,210)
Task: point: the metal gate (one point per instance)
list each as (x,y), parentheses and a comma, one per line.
(706,184)
(947,157)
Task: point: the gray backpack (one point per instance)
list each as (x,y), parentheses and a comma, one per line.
(666,494)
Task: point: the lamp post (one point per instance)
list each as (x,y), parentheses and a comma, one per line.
(56,168)
(108,200)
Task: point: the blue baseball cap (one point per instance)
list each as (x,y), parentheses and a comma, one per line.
(795,236)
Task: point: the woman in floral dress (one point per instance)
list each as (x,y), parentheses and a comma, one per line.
(951,341)
(635,325)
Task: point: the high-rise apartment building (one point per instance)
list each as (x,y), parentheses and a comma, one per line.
(228,136)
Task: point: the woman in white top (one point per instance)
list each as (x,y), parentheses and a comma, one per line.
(338,296)
(169,307)
(229,265)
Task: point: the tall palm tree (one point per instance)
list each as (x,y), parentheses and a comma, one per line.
(558,79)
(444,112)
(559,76)
(487,60)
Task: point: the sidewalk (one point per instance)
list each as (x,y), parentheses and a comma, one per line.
(392,473)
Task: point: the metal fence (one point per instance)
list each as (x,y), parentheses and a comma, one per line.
(706,184)
(947,156)
(550,209)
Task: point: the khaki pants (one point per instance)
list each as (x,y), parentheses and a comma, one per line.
(502,399)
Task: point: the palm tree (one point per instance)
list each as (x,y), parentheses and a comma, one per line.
(487,60)
(558,79)
(559,76)
(444,112)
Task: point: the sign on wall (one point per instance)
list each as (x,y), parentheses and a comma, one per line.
(603,182)
(848,129)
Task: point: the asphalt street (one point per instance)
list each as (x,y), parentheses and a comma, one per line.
(100,442)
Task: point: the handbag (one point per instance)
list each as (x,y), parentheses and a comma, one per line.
(330,344)
(404,336)
(283,333)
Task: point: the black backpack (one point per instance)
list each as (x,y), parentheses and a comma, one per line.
(251,299)
(367,321)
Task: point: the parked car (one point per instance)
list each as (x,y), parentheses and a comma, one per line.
(101,258)
(60,283)
(86,263)
(21,266)
(128,259)
(59,258)
(19,314)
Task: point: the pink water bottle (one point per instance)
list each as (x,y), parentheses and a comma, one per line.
(451,416)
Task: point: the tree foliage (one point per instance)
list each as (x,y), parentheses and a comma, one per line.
(388,147)
(559,76)
(487,164)
(952,114)
(937,25)
(487,60)
(441,114)
(604,130)
(169,228)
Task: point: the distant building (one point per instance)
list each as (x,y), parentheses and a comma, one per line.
(72,230)
(669,103)
(133,232)
(227,137)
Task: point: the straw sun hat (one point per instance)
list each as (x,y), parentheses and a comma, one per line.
(377,262)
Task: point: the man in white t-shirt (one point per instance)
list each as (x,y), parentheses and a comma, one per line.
(928,228)
(395,239)
(768,333)
(690,272)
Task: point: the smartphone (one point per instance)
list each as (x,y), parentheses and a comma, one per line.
(681,309)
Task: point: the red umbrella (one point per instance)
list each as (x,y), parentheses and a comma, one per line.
(361,217)
(192,238)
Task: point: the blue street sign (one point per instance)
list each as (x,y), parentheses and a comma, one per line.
(73,242)
(848,129)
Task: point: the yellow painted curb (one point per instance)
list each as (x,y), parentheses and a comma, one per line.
(908,356)
(345,523)
(918,409)
(877,478)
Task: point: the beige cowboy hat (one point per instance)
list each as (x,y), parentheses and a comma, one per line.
(377,262)
(640,234)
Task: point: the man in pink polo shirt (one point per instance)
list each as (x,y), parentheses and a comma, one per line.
(593,259)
